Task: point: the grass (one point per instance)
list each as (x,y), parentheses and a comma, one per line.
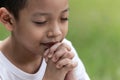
(94,29)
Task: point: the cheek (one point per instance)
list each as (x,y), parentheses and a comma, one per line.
(29,35)
(65,30)
(29,39)
(33,35)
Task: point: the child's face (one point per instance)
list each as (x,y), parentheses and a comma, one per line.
(41,24)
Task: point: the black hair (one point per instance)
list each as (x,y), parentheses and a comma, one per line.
(13,6)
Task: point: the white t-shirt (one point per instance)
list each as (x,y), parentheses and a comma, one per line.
(9,71)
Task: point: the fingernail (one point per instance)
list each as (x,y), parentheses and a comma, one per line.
(58,66)
(54,59)
(50,55)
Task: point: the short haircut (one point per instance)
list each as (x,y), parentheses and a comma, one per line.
(13,6)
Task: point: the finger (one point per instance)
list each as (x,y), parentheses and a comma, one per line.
(62,63)
(66,63)
(59,54)
(45,55)
(66,46)
(69,55)
(63,51)
(71,65)
(46,52)
(53,49)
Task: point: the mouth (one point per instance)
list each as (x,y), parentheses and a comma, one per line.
(48,44)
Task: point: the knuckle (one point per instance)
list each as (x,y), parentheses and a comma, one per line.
(71,65)
(54,47)
(70,55)
(66,46)
(59,54)
(68,60)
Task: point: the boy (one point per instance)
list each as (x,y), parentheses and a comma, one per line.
(38,29)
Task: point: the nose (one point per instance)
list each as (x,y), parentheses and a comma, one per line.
(54,31)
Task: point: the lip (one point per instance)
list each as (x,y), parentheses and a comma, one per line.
(49,44)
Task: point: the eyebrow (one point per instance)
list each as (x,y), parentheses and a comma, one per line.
(44,14)
(66,10)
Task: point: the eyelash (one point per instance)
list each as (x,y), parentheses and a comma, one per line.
(41,23)
(64,19)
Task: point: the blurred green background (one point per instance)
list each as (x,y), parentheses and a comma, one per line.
(94,29)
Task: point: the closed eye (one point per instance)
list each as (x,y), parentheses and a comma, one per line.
(65,19)
(40,23)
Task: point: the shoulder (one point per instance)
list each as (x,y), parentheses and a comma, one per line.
(68,42)
(80,70)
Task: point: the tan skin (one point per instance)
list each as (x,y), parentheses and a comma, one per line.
(41,21)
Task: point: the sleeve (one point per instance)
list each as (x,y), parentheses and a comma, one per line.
(0,77)
(80,71)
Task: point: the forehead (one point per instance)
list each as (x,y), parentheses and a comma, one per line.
(47,5)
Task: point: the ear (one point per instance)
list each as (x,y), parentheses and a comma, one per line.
(6,18)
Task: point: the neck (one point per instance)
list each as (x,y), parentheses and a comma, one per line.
(21,57)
